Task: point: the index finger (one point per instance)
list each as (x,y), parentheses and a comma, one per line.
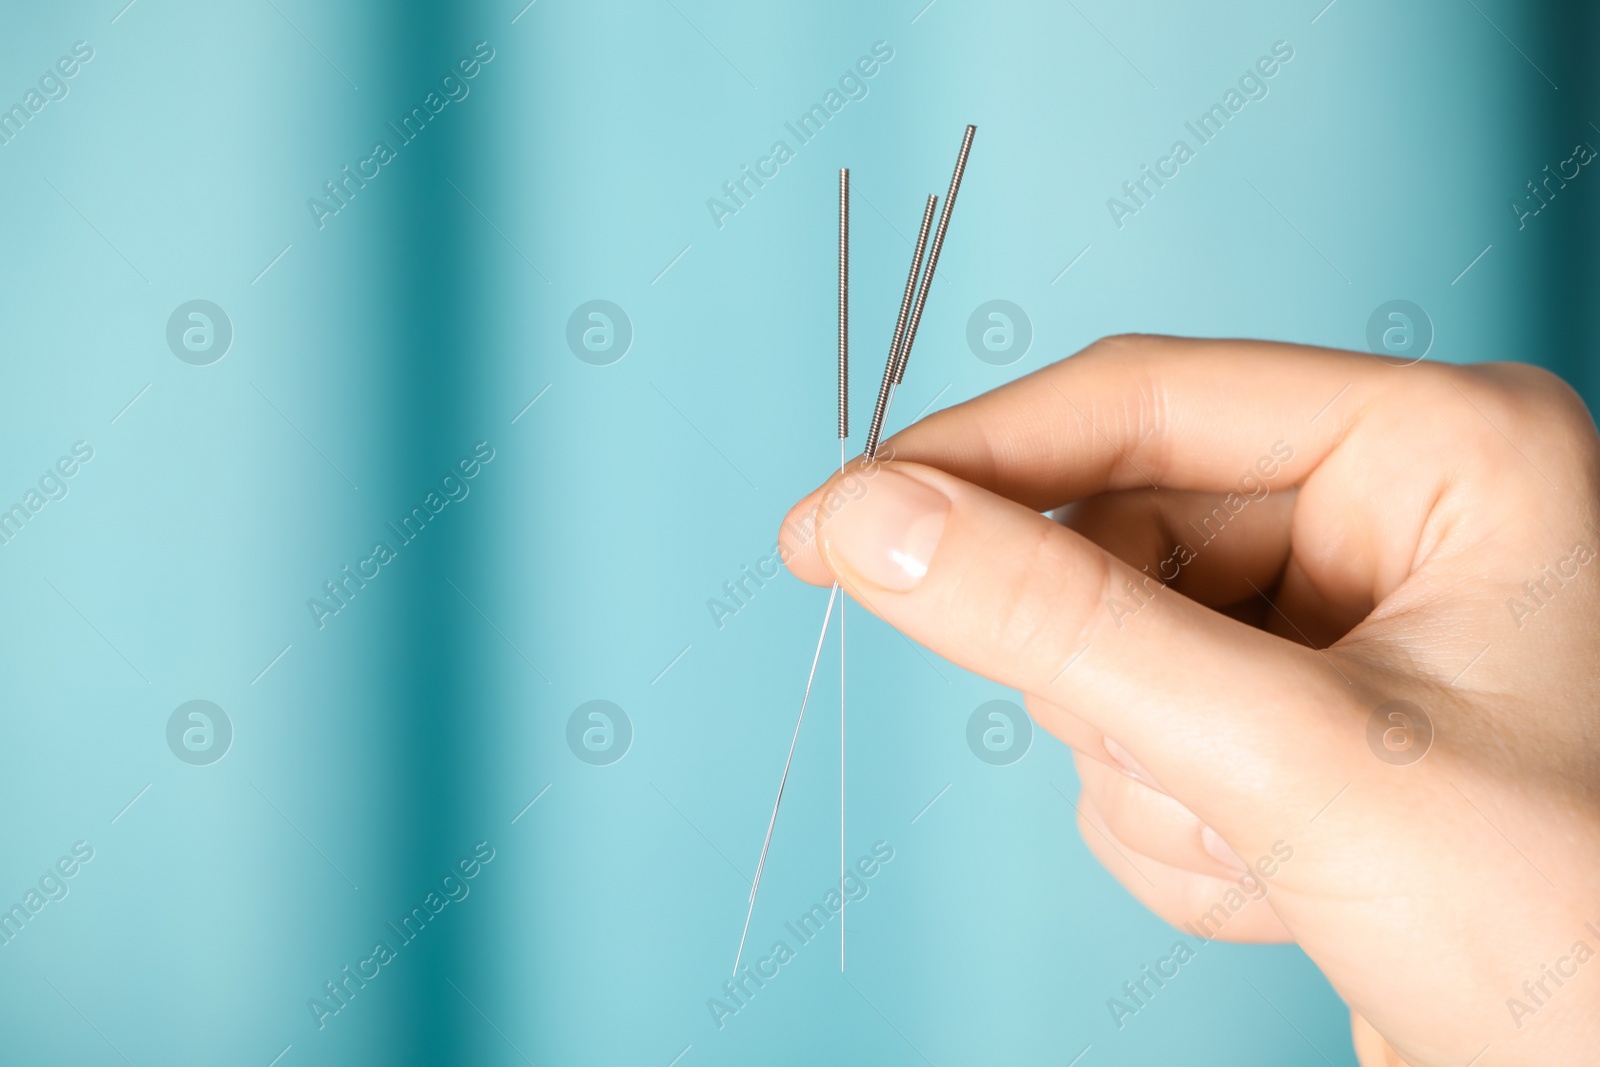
(1136,412)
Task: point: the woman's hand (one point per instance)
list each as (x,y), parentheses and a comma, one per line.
(1296,600)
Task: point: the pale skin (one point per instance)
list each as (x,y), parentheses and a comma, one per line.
(1221,705)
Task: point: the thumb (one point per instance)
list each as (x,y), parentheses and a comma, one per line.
(1224,715)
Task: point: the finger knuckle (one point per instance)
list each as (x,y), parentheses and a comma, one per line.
(1518,396)
(1122,344)
(1528,408)
(1122,427)
(1551,401)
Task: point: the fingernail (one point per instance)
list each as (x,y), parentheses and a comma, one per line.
(1124,759)
(887,535)
(1213,843)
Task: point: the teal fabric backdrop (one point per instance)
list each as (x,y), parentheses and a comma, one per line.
(308,415)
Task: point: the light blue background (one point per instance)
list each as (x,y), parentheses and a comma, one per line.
(424,318)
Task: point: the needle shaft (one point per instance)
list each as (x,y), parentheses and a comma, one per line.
(844,303)
(909,318)
(844,433)
(881,410)
(904,355)
(755,886)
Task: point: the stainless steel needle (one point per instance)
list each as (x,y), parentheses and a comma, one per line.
(893,372)
(900,349)
(904,355)
(755,886)
(833,595)
(882,407)
(844,434)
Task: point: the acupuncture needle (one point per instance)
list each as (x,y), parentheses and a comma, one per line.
(900,352)
(888,368)
(761,864)
(844,434)
(882,407)
(904,355)
(893,373)
(833,595)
